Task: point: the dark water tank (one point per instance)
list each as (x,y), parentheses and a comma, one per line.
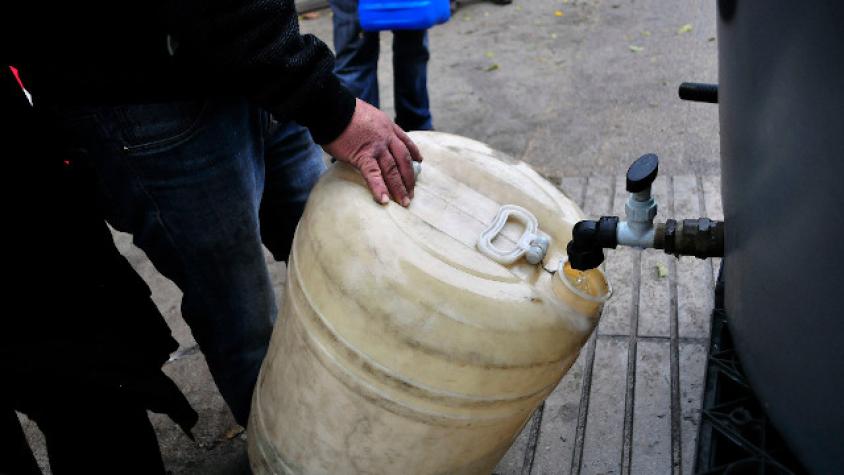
(781,94)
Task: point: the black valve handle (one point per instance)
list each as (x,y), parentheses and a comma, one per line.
(642,173)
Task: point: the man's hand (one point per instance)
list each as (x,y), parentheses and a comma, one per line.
(381,151)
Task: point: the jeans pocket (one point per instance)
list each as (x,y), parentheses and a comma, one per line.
(157,127)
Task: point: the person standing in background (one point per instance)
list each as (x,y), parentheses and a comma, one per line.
(357,65)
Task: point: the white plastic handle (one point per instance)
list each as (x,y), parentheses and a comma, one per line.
(531,244)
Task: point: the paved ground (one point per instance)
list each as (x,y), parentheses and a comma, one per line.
(631,402)
(569,96)
(577,96)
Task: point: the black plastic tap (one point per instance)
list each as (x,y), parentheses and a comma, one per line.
(588,240)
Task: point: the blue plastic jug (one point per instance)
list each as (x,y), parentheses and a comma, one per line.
(377,15)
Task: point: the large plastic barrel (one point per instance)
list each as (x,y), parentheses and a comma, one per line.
(781,109)
(401,348)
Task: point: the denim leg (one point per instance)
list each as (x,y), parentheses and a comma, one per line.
(186,180)
(410,85)
(357,52)
(293,165)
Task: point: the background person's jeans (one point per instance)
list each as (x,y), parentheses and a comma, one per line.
(187,180)
(357,65)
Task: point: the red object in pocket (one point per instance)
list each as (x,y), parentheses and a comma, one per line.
(17,76)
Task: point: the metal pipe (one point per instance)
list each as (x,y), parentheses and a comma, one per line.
(700,237)
(635,235)
(699,92)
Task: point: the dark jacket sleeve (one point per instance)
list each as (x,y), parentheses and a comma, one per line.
(255,45)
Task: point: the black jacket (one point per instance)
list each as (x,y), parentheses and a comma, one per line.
(77,319)
(155,50)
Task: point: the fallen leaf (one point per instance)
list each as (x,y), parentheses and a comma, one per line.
(234,432)
(489,54)
(559,13)
(646,33)
(491,67)
(711,38)
(661,271)
(310,16)
(636,49)
(684,29)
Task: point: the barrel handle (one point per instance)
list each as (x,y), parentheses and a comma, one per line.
(531,244)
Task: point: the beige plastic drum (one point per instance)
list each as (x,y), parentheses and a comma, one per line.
(400,347)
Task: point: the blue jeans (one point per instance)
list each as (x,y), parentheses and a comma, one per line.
(190,180)
(357,65)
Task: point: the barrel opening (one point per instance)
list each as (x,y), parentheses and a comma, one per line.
(584,291)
